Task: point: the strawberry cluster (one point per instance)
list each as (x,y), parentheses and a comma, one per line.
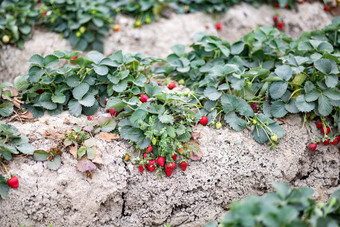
(151,163)
(326,140)
(278,22)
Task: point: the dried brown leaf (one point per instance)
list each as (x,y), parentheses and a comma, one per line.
(85,165)
(196,135)
(27,115)
(98,159)
(74,151)
(108,136)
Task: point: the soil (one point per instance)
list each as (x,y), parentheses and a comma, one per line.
(233,164)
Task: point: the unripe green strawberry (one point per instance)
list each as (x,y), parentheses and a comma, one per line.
(82,29)
(181,81)
(5,39)
(274,137)
(218,125)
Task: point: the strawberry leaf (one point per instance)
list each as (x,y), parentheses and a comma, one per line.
(75,108)
(235,122)
(4,188)
(278,109)
(303,105)
(324,105)
(55,163)
(79,91)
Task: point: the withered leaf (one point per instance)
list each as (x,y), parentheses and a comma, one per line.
(196,135)
(74,150)
(108,136)
(98,159)
(85,165)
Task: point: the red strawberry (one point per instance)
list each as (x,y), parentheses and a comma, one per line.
(113,112)
(254,107)
(326,142)
(90,118)
(276,5)
(323,131)
(174,157)
(144,98)
(139,94)
(39,91)
(160,161)
(183,165)
(218,26)
(145,155)
(74,58)
(335,141)
(141,168)
(280,25)
(275,18)
(149,149)
(172,85)
(169,168)
(312,146)
(13,182)
(319,124)
(151,166)
(204,120)
(327,8)
(44,13)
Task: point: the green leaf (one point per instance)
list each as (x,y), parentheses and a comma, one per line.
(109,125)
(4,188)
(91,153)
(75,108)
(324,105)
(26,148)
(136,116)
(323,65)
(178,49)
(88,100)
(79,91)
(237,47)
(101,70)
(20,83)
(278,109)
(284,71)
(332,93)
(6,109)
(115,103)
(55,163)
(51,60)
(121,86)
(260,135)
(35,73)
(235,122)
(331,81)
(278,89)
(229,103)
(212,93)
(95,56)
(81,152)
(58,98)
(291,106)
(37,60)
(73,80)
(166,119)
(312,95)
(140,80)
(282,189)
(152,90)
(41,155)
(46,101)
(304,106)
(243,108)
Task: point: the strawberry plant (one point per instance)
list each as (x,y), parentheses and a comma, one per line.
(85,23)
(284,207)
(11,143)
(16,20)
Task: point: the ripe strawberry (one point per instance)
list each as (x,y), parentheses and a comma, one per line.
(141,168)
(275,18)
(89,118)
(254,107)
(183,165)
(335,141)
(276,5)
(218,26)
(13,182)
(169,168)
(326,142)
(327,129)
(145,155)
(204,120)
(149,149)
(172,85)
(144,98)
(161,161)
(312,146)
(319,124)
(280,25)
(39,91)
(44,13)
(74,58)
(116,27)
(174,157)
(327,8)
(113,112)
(151,166)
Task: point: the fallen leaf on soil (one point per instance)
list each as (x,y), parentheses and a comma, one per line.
(196,135)
(98,159)
(27,115)
(108,136)
(84,165)
(74,151)
(66,121)
(284,120)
